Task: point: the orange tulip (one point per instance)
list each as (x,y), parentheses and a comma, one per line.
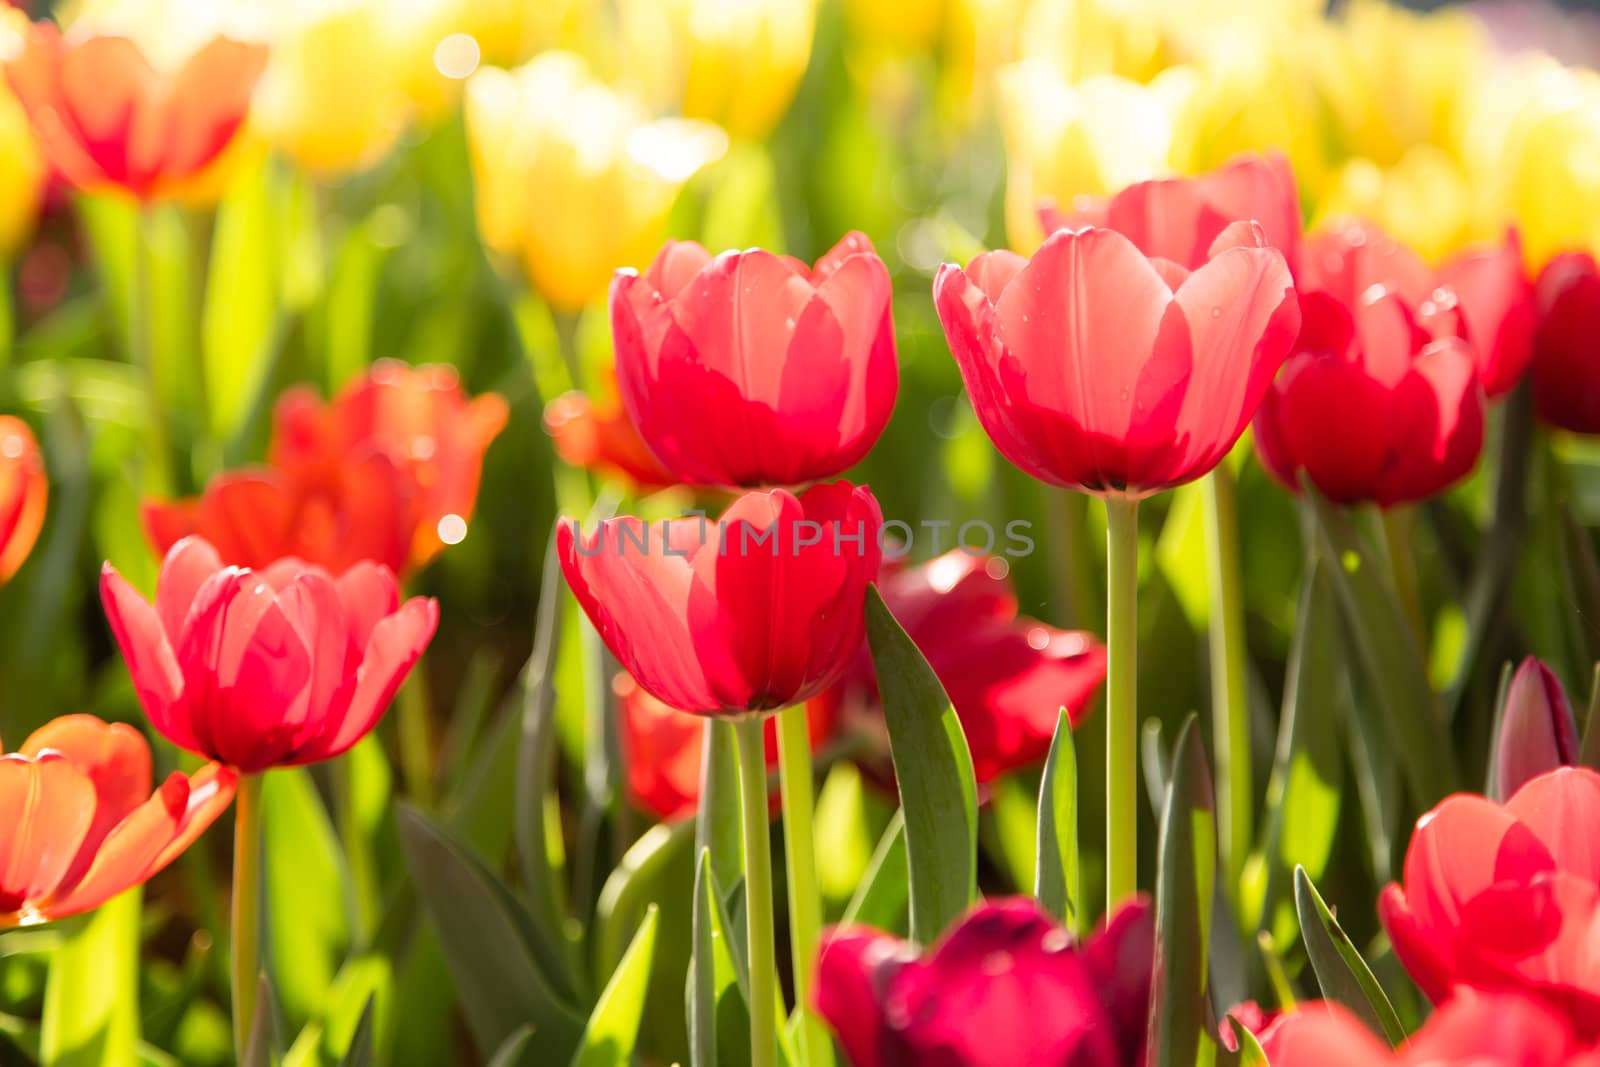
(105,118)
(417,416)
(82,824)
(23,490)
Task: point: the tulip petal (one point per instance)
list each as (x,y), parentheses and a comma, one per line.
(1563,809)
(1324,1034)
(49,806)
(368,594)
(184,569)
(1460,849)
(855,971)
(204,105)
(115,759)
(152,659)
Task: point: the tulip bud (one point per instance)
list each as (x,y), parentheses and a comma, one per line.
(1536,731)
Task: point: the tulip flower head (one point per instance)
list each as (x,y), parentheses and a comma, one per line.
(572,178)
(388,473)
(257,669)
(23,178)
(1181,218)
(1506,897)
(82,823)
(1497,310)
(1566,374)
(1472,1030)
(758,611)
(1380,338)
(1006,985)
(105,118)
(1007,675)
(661,749)
(1535,731)
(420,418)
(749,369)
(1096,367)
(24,487)
(597,435)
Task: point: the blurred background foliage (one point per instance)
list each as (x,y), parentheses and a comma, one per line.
(454,181)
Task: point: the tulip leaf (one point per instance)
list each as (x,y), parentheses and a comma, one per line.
(509,1054)
(933,767)
(850,817)
(613,1028)
(1341,972)
(640,877)
(1589,751)
(719,1017)
(1185,884)
(307,899)
(487,942)
(1391,658)
(1303,793)
(537,834)
(717,825)
(262,1048)
(1056,879)
(359,1053)
(365,982)
(880,901)
(91,1000)
(1250,1053)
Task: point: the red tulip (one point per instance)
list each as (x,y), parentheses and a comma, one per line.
(1005,986)
(1181,218)
(1092,366)
(1536,731)
(1506,897)
(1007,676)
(82,824)
(24,488)
(1566,371)
(661,749)
(1497,309)
(750,369)
(759,611)
(1379,339)
(105,118)
(1473,1030)
(603,439)
(387,472)
(269,668)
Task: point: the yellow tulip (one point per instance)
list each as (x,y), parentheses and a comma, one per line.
(733,62)
(572,179)
(1084,38)
(909,26)
(1426,200)
(509,31)
(1548,175)
(22,169)
(1066,140)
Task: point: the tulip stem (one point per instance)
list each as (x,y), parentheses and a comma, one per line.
(758,891)
(142,354)
(800,855)
(246,908)
(1122,712)
(1399,526)
(1230,693)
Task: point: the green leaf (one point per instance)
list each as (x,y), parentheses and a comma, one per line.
(850,818)
(639,879)
(307,898)
(91,999)
(509,1054)
(487,943)
(614,1025)
(1185,885)
(1589,752)
(880,901)
(1009,828)
(719,1016)
(1341,972)
(1303,793)
(359,1054)
(1056,880)
(262,1048)
(365,983)
(934,770)
(1250,1054)
(1386,646)
(717,821)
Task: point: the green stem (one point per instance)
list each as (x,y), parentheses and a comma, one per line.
(758,891)
(416,743)
(800,854)
(246,908)
(1122,711)
(1230,692)
(1398,525)
(357,851)
(142,354)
